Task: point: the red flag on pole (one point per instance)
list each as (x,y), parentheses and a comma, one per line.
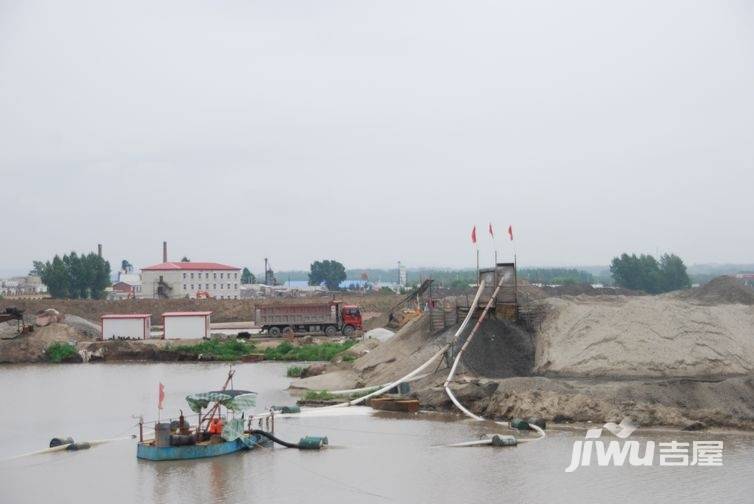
(510,232)
(161,396)
(473,235)
(492,233)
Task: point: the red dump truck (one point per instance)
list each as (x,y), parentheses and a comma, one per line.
(328,318)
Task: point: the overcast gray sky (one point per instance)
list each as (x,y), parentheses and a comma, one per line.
(377,131)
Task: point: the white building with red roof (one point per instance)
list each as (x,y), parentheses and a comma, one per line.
(177,280)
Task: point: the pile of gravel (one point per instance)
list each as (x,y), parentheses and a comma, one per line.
(83,326)
(722,290)
(500,349)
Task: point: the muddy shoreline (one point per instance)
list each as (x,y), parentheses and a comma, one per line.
(681,360)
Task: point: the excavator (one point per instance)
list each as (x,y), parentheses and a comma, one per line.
(410,307)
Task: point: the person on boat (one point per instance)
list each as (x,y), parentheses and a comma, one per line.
(215,426)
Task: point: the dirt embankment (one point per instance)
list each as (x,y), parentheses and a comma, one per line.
(80,324)
(720,290)
(31,347)
(223,310)
(682,359)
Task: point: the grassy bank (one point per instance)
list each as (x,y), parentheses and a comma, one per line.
(60,352)
(229,350)
(324,395)
(314,352)
(294,372)
(225,350)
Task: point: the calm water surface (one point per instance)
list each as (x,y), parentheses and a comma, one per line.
(374,458)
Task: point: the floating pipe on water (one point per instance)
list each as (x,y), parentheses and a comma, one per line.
(497,440)
(68,445)
(446,385)
(305,443)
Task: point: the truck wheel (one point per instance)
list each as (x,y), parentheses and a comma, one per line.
(330,331)
(288,333)
(274,332)
(348,331)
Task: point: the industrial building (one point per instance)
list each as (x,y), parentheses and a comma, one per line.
(186,325)
(29,287)
(187,279)
(125,326)
(173,280)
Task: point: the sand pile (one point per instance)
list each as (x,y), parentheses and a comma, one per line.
(83,326)
(649,336)
(380,334)
(31,347)
(407,350)
(8,329)
(720,290)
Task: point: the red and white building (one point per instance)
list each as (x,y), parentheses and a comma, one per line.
(126,326)
(186,325)
(177,280)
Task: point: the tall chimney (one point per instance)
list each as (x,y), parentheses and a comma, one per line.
(164,251)
(99,249)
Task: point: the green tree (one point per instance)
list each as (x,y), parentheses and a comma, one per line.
(126,266)
(54,276)
(645,273)
(74,276)
(330,272)
(98,275)
(247,277)
(185,259)
(673,273)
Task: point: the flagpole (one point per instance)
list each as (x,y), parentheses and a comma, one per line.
(494,243)
(477,264)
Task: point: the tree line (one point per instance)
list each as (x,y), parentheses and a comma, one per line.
(556,276)
(647,274)
(75,276)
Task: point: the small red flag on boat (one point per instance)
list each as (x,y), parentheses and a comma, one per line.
(473,235)
(510,232)
(492,234)
(161,396)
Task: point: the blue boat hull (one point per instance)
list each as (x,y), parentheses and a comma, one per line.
(150,452)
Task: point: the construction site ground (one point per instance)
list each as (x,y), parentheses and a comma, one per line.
(684,359)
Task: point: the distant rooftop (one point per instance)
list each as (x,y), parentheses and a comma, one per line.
(187,314)
(169,266)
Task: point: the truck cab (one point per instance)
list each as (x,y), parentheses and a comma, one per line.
(350,316)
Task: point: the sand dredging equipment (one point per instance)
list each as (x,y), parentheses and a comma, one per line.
(493,440)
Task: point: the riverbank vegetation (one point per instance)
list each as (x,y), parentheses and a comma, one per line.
(225,350)
(314,352)
(294,372)
(60,352)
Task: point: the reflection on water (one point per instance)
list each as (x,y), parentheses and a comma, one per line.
(376,458)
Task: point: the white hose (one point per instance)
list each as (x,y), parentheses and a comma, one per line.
(65,447)
(446,385)
(423,366)
(373,387)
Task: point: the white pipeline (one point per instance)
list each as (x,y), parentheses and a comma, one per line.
(446,385)
(423,366)
(66,446)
